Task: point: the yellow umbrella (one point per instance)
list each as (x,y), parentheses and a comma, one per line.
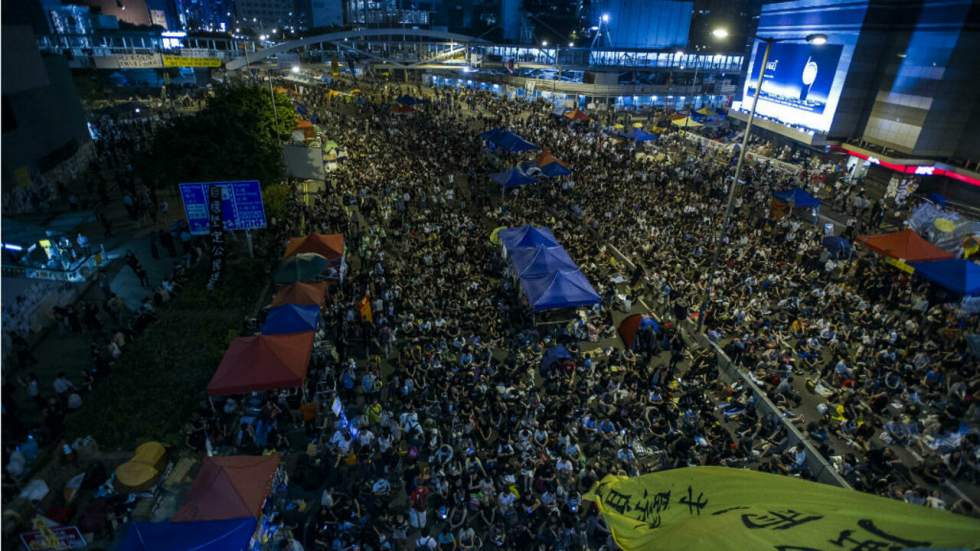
(618,126)
(944,225)
(637,125)
(495,235)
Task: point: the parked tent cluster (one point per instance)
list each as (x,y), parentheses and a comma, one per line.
(927,260)
(227,496)
(549,277)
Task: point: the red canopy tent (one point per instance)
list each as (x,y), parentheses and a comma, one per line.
(576,115)
(263,362)
(329,246)
(906,245)
(303,294)
(229,487)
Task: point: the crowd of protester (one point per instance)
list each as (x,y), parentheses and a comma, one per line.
(453,434)
(428,419)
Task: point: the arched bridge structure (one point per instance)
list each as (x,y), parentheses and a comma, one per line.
(394,48)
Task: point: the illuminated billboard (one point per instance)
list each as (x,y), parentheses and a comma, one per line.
(798,83)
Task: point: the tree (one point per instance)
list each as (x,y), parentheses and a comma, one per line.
(237,136)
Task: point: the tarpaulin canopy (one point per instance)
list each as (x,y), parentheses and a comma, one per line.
(512,178)
(554,355)
(302,294)
(837,245)
(408,100)
(640,135)
(233,486)
(263,362)
(507,140)
(576,115)
(541,261)
(959,276)
(546,158)
(527,236)
(798,198)
(729,508)
(631,325)
(563,289)
(905,244)
(329,245)
(554,170)
(302,267)
(291,318)
(231,534)
(686,122)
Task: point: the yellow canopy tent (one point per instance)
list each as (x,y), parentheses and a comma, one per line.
(724,508)
(686,122)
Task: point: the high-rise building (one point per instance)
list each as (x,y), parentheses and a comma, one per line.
(43,119)
(321,13)
(265,15)
(381,13)
(738,17)
(134,12)
(207,14)
(642,23)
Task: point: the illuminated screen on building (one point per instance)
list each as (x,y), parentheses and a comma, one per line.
(798,76)
(798,83)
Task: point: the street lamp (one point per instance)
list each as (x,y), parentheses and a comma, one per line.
(720,33)
(295,69)
(816,40)
(544,43)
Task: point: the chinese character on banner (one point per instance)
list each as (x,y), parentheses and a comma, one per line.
(217,228)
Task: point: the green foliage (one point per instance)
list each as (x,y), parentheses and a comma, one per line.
(275,198)
(235,137)
(160,379)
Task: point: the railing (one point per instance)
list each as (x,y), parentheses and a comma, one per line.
(816,465)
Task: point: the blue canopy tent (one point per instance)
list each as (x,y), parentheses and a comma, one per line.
(554,170)
(937,198)
(210,535)
(797,198)
(563,289)
(507,140)
(640,135)
(959,276)
(291,318)
(541,261)
(407,100)
(838,246)
(553,356)
(527,236)
(512,178)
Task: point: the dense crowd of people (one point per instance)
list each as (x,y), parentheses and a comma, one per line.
(453,432)
(429,419)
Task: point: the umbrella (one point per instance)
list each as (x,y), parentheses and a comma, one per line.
(618,126)
(302,267)
(944,225)
(637,125)
(495,234)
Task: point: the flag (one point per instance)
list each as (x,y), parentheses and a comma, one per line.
(365,310)
(727,508)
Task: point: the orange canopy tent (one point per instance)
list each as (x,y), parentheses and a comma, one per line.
(906,245)
(329,246)
(263,362)
(546,158)
(302,294)
(576,115)
(229,487)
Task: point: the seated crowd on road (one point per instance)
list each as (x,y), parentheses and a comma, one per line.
(455,437)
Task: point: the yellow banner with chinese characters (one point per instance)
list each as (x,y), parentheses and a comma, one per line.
(715,508)
(187,61)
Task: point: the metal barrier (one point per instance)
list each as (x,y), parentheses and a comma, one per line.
(816,465)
